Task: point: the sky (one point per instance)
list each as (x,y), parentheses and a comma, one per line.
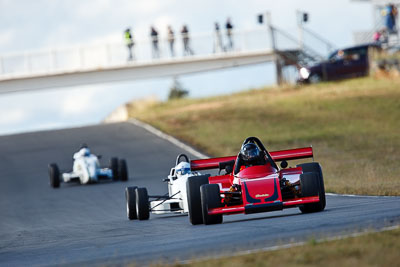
(49,24)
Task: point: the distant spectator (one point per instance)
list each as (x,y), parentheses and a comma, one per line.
(154,39)
(229,29)
(129,43)
(390,18)
(171,40)
(186,41)
(218,46)
(377,36)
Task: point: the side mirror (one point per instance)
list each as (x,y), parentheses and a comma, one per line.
(166,180)
(284,164)
(229,169)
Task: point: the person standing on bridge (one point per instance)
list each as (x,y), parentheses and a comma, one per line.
(171,40)
(154,40)
(218,46)
(129,43)
(229,29)
(186,39)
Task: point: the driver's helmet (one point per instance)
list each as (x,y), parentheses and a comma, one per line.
(85,151)
(182,168)
(250,153)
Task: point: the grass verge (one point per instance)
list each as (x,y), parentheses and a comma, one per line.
(354,127)
(373,249)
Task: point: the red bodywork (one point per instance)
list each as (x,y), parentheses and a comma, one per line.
(261,186)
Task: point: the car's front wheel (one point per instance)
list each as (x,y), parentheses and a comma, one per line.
(122,170)
(193,184)
(54,175)
(314,78)
(130,196)
(210,198)
(142,204)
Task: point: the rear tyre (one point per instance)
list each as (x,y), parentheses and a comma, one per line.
(193,184)
(315,167)
(122,170)
(114,168)
(310,186)
(130,196)
(54,175)
(210,198)
(142,204)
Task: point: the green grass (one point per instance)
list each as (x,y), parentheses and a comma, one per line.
(373,249)
(354,127)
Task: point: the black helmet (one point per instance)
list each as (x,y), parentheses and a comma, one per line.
(84,145)
(250,152)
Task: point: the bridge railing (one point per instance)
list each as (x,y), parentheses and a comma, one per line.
(109,55)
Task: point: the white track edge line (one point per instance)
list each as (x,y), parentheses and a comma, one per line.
(169,138)
(297,244)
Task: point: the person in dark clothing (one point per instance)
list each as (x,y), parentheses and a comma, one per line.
(154,40)
(186,41)
(129,43)
(390,18)
(229,30)
(171,40)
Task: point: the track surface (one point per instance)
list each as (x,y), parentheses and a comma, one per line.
(87,224)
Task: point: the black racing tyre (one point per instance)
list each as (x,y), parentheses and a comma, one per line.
(114,168)
(193,184)
(142,204)
(130,196)
(310,186)
(210,198)
(122,170)
(54,175)
(316,168)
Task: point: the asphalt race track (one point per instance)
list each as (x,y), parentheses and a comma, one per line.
(88,225)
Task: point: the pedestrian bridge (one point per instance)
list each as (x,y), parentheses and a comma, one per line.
(105,63)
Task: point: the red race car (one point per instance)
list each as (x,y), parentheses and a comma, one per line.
(253,183)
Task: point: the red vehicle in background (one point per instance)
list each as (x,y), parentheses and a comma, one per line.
(255,185)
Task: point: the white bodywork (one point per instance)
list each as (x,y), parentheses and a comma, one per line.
(176,191)
(86,168)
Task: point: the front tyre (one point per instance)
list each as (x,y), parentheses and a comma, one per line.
(210,198)
(315,78)
(130,196)
(122,170)
(193,184)
(54,175)
(316,168)
(311,186)
(142,204)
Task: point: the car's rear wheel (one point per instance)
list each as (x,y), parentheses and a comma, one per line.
(122,170)
(142,204)
(316,168)
(114,168)
(54,174)
(310,186)
(130,196)
(210,198)
(193,184)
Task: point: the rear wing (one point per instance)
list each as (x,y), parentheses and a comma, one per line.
(290,154)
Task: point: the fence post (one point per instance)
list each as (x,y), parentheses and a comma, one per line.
(278,63)
(1,65)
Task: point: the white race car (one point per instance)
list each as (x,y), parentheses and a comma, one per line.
(86,169)
(138,205)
